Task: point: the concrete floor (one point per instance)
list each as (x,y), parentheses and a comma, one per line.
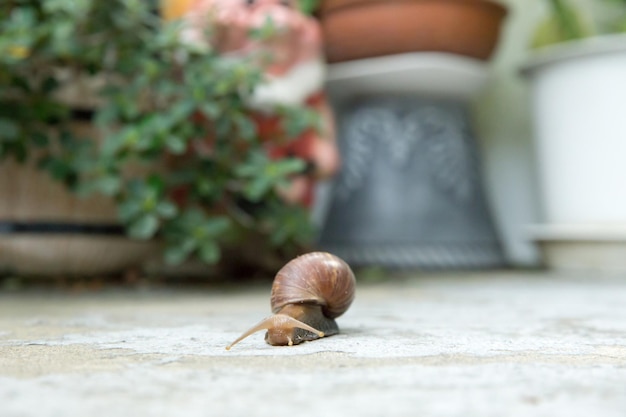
(481,344)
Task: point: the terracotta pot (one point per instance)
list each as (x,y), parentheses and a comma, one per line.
(356,29)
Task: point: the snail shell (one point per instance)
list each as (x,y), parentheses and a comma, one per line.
(318,278)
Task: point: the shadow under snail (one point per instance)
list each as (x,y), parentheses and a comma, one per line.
(308,293)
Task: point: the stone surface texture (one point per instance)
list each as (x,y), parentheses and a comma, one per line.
(479,344)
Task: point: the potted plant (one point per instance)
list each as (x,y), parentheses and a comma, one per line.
(148,89)
(576,73)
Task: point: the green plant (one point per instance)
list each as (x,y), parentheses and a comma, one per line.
(568,20)
(159,101)
(308,6)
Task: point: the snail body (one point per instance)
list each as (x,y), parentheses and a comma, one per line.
(308,294)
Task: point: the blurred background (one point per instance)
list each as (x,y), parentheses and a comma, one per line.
(472,135)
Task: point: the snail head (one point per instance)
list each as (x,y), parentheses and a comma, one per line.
(280,330)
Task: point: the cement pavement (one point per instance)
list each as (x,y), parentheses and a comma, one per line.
(477,344)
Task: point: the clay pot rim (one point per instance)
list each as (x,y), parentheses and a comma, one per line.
(352,4)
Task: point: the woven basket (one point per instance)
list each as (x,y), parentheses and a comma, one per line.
(47,230)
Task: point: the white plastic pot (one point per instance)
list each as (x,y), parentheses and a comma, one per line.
(579,104)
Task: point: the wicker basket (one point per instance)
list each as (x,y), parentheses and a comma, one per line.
(47,230)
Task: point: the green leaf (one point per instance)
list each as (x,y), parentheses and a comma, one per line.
(58,168)
(178,251)
(296,120)
(245,127)
(294,225)
(254,166)
(280,236)
(106,115)
(131,137)
(166,209)
(177,254)
(285,167)
(108,185)
(217,225)
(266,31)
(210,109)
(145,227)
(8,129)
(308,6)
(255,190)
(156,185)
(209,252)
(129,209)
(176,145)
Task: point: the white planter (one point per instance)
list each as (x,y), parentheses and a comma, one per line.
(579,104)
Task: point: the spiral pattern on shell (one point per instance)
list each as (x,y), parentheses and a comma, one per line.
(315,278)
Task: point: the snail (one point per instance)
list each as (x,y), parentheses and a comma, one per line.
(308,293)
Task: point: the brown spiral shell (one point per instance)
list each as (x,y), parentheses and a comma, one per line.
(315,278)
